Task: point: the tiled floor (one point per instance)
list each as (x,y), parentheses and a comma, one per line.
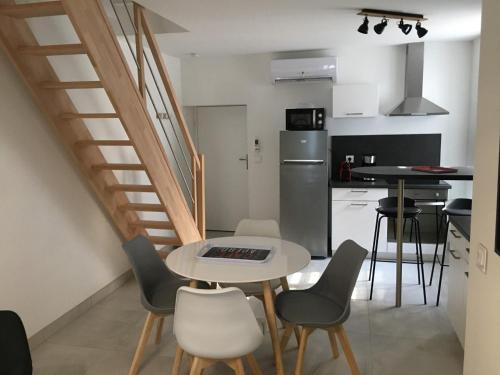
(414,339)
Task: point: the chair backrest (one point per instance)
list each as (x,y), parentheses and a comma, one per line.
(215,322)
(460,204)
(149,269)
(14,348)
(392,202)
(258,228)
(338,281)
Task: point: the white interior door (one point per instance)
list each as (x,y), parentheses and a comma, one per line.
(222,137)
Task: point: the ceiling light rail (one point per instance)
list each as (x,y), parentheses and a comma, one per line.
(391,14)
(388,14)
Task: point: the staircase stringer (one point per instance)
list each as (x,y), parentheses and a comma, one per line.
(95,32)
(15,33)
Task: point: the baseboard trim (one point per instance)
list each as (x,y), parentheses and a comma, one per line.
(42,335)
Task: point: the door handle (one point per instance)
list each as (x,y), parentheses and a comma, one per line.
(244,159)
(452,252)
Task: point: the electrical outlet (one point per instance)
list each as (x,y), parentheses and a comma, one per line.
(349,158)
(482,258)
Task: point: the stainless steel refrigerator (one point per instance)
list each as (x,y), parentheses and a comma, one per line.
(304,189)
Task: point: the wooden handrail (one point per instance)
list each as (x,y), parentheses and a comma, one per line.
(139,49)
(162,69)
(200,194)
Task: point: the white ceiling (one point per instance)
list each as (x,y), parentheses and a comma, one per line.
(220,27)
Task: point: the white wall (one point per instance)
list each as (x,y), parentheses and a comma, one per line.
(57,246)
(483,304)
(246,80)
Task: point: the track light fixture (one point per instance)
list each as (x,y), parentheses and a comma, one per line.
(379,27)
(405,28)
(421,31)
(363,29)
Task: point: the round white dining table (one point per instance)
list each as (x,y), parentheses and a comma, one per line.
(287,258)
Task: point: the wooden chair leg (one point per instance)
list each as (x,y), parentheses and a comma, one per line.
(177,360)
(344,341)
(273,330)
(306,331)
(286,335)
(146,332)
(196,367)
(254,366)
(237,366)
(159,330)
(333,342)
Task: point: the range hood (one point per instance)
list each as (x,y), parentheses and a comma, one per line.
(414,104)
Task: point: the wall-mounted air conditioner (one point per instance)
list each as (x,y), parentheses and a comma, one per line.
(304,69)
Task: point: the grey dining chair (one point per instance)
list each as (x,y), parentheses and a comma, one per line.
(158,288)
(14,348)
(326,305)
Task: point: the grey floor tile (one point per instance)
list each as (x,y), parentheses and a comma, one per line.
(414,339)
(440,355)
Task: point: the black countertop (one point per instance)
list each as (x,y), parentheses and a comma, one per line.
(407,173)
(462,223)
(381,183)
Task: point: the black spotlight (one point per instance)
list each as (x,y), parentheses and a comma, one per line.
(379,27)
(363,29)
(405,27)
(421,31)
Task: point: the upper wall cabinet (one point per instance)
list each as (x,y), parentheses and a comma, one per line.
(360,100)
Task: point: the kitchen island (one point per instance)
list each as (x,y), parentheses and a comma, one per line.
(353,205)
(403,174)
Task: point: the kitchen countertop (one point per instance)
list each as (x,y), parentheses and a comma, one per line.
(462,223)
(381,183)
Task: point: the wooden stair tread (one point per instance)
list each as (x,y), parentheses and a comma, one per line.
(69,116)
(103,142)
(158,240)
(154,224)
(44,9)
(152,207)
(52,50)
(72,85)
(118,167)
(131,188)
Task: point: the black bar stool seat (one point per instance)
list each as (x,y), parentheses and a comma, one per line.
(457,207)
(392,212)
(388,208)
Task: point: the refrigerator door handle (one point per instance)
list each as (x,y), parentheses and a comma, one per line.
(303,161)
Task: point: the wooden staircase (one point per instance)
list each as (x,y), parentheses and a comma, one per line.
(128,97)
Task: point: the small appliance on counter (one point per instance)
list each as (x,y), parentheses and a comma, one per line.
(305,118)
(369,160)
(345,171)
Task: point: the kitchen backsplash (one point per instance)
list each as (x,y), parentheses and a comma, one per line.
(400,149)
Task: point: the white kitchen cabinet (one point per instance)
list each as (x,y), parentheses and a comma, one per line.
(457,281)
(359,100)
(354,215)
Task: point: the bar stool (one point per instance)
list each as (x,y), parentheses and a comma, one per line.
(388,208)
(457,207)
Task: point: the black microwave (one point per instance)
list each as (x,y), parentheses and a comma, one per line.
(305,119)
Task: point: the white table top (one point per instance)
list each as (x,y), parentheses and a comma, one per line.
(288,258)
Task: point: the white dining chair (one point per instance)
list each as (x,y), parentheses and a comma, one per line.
(259,228)
(215,326)
(256,228)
